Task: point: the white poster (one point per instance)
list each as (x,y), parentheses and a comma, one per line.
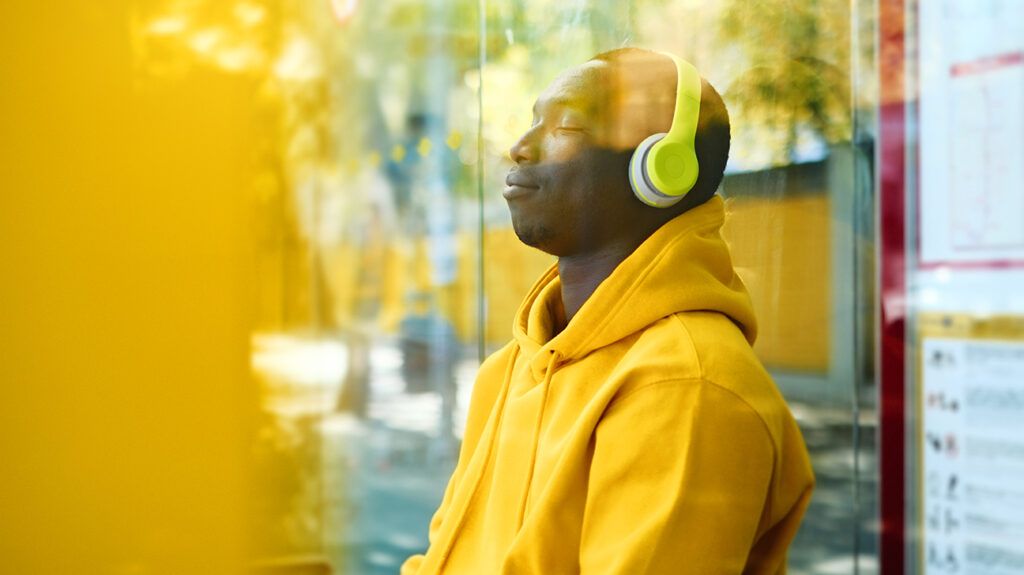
(972,452)
(972,132)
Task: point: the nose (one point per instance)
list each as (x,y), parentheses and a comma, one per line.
(525,148)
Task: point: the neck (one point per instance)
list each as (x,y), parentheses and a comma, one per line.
(581,274)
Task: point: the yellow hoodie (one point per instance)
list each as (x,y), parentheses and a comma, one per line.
(645,438)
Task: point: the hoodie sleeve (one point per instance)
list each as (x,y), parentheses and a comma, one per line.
(678,484)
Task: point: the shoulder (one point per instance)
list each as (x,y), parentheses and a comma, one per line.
(705,350)
(690,346)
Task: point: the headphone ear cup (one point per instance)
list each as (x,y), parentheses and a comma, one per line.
(640,180)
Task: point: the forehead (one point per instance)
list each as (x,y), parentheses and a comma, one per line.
(582,87)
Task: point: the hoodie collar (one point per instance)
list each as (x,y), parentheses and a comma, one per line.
(683,266)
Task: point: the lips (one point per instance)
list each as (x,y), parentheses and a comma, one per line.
(514,180)
(516,186)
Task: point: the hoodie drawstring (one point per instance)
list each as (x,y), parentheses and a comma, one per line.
(545,387)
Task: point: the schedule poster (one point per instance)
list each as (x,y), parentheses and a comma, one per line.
(971,203)
(971,451)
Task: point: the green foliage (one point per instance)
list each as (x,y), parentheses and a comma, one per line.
(798,54)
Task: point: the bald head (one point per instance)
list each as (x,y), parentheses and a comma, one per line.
(639,100)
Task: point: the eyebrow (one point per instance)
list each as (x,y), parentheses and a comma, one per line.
(564,101)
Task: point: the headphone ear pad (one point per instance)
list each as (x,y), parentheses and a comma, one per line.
(640,181)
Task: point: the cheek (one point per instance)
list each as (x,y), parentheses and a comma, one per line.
(561,148)
(606,172)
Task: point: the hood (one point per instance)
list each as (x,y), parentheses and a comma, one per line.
(683,266)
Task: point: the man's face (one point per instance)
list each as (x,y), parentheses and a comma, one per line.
(568,192)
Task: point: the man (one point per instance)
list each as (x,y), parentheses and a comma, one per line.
(628,428)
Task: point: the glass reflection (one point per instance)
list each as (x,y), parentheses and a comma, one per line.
(381,153)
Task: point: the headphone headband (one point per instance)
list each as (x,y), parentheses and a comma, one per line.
(688,88)
(664,166)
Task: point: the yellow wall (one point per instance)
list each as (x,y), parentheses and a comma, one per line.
(781,249)
(126,303)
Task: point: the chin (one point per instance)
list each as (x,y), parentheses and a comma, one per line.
(535,236)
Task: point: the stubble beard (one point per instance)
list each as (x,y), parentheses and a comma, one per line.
(535,235)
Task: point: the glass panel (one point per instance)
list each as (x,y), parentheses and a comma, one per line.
(364,141)
(366,145)
(964,256)
(799,188)
(389,267)
(374,261)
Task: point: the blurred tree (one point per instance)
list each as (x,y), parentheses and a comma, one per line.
(798,75)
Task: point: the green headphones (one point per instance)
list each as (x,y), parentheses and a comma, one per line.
(664,166)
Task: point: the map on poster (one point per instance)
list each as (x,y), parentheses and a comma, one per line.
(972,456)
(972,132)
